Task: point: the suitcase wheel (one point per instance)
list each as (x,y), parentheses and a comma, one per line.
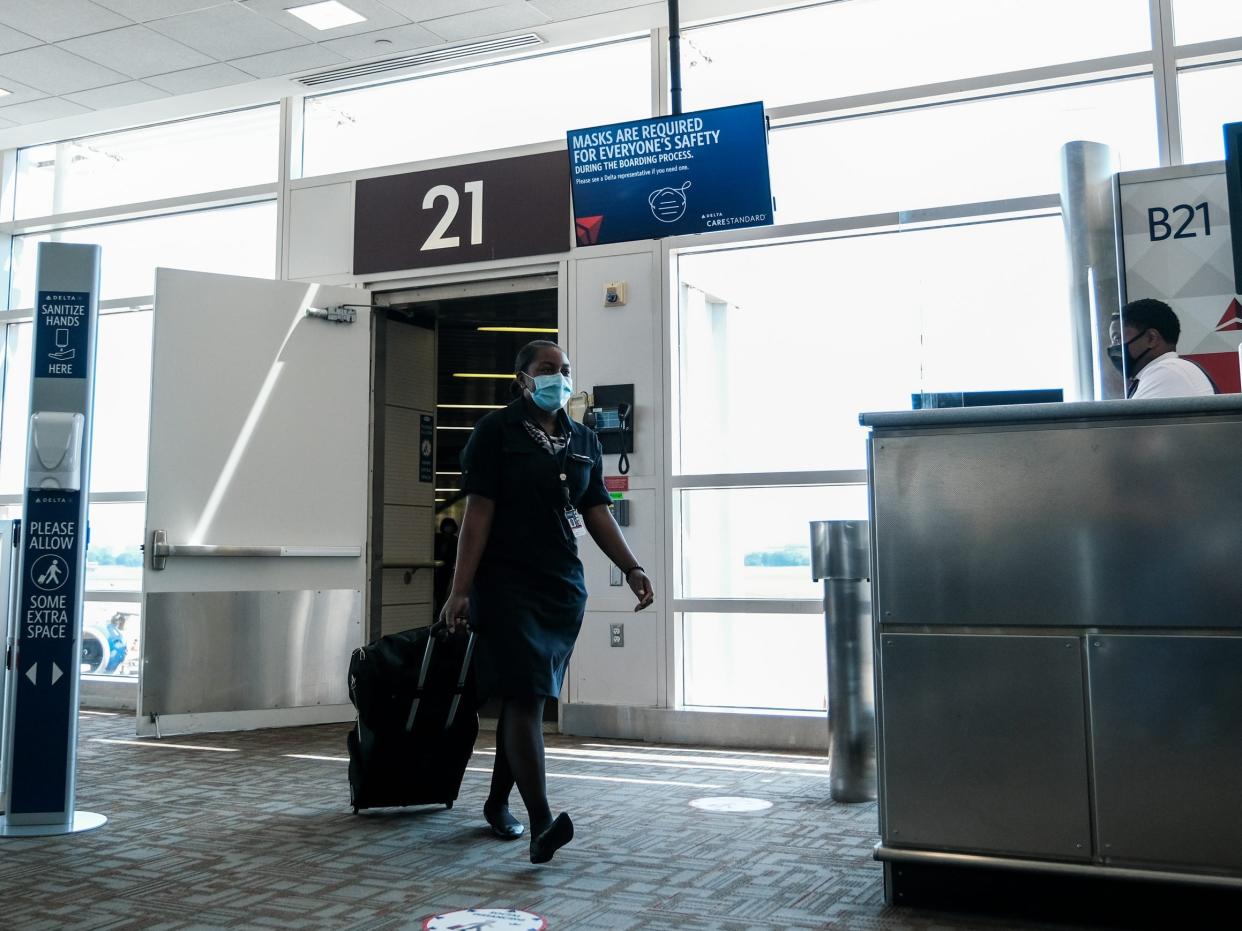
(355,809)
(448,804)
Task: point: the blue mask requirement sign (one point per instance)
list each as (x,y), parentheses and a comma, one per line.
(62,334)
(694,173)
(46,660)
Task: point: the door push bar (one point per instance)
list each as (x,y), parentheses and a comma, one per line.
(162,550)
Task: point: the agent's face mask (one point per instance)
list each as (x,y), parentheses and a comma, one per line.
(1119,355)
(551,392)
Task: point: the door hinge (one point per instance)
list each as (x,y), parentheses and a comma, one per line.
(342,313)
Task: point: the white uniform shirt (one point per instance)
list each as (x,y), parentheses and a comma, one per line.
(1171,376)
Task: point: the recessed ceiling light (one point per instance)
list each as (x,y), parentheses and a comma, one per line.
(327,15)
(4,93)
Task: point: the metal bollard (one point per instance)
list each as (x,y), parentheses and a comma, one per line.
(841,556)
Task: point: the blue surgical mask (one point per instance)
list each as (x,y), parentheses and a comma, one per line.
(551,392)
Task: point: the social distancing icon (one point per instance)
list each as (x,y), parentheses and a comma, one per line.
(486,919)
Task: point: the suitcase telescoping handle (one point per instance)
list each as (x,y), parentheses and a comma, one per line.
(437,628)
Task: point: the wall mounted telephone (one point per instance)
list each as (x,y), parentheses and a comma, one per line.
(611,415)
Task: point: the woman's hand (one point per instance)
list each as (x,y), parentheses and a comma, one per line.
(640,585)
(456,612)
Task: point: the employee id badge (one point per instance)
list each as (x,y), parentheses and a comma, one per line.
(576,525)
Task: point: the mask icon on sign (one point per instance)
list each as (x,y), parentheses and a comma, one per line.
(668,204)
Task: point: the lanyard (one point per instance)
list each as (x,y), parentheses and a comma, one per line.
(562,465)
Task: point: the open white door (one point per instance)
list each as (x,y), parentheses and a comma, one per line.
(257,503)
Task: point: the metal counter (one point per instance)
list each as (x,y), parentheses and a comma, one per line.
(1058,637)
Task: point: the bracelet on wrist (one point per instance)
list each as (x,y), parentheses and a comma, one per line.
(634,568)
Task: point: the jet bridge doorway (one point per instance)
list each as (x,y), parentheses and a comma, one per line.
(444,360)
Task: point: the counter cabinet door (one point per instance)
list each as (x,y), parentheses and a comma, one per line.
(984,743)
(1166,720)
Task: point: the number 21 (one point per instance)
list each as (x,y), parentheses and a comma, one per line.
(437,239)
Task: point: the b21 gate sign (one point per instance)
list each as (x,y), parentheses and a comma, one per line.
(671,176)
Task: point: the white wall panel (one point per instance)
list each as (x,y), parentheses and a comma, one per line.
(611,347)
(601,674)
(321,231)
(616,346)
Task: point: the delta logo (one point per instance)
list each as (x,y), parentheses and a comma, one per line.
(1232,319)
(588,230)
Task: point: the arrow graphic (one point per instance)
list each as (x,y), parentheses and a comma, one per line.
(32,674)
(56,673)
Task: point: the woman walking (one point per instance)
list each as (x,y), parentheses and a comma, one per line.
(534,481)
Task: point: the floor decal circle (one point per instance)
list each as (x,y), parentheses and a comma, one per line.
(730,804)
(486,919)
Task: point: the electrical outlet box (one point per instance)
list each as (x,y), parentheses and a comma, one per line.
(621,511)
(614,294)
(616,635)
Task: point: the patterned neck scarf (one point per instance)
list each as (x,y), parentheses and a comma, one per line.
(552,445)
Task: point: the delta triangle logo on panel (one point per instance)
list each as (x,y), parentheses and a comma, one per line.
(1232,320)
(588,230)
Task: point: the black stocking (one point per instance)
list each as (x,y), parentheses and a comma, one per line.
(521,737)
(502,775)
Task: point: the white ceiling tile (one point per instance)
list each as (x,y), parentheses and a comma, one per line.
(289,61)
(490,22)
(5,124)
(419,10)
(56,71)
(18,93)
(11,40)
(118,95)
(571,9)
(53,20)
(136,51)
(227,32)
(199,79)
(378,16)
(143,10)
(50,108)
(400,39)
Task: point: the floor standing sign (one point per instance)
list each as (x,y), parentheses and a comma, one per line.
(42,723)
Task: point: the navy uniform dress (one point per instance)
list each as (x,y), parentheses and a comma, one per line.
(529,594)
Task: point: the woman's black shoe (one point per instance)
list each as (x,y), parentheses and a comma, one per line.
(559,833)
(503,824)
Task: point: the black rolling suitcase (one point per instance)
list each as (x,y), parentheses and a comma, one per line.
(417,721)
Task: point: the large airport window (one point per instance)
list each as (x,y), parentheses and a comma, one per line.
(755,542)
(1205,20)
(17,351)
(233,240)
(114,557)
(775,662)
(213,153)
(982,150)
(111,638)
(1209,99)
(122,402)
(782,346)
(834,50)
(514,103)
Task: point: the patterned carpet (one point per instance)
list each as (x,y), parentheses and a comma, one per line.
(253,830)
